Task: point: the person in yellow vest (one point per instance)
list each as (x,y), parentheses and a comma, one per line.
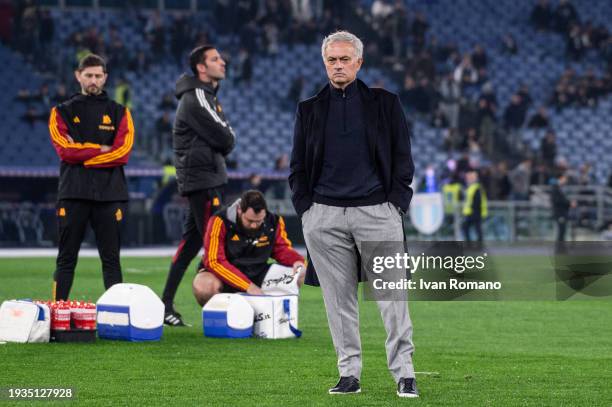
(474,207)
(452,195)
(123,93)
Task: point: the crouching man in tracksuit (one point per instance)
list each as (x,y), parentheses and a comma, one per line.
(239,241)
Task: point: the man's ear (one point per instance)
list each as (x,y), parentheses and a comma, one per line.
(201,68)
(77,75)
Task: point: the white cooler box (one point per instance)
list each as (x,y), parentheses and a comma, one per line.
(24,321)
(276,316)
(227,316)
(130,312)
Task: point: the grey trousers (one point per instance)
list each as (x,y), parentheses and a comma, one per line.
(333,236)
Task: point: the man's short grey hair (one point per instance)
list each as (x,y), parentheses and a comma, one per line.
(343,36)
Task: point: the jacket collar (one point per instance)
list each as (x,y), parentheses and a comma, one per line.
(102,96)
(363,89)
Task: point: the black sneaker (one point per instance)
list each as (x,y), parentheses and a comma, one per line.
(346,385)
(173,318)
(407,387)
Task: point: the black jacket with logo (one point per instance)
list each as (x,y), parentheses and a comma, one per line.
(78,128)
(202,137)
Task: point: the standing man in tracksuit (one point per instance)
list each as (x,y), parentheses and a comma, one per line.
(202,138)
(93,137)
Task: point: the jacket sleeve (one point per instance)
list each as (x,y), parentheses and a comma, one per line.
(119,154)
(282,251)
(402,167)
(214,256)
(69,151)
(202,117)
(298,179)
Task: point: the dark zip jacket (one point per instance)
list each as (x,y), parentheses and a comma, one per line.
(388,138)
(202,137)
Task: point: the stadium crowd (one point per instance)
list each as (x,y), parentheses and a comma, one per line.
(439,84)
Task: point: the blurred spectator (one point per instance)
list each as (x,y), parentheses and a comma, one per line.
(565,15)
(244,66)
(500,182)
(180,39)
(248,36)
(423,65)
(92,41)
(479,58)
(419,31)
(424,96)
(542,15)
(41,97)
(295,93)
(156,35)
(60,94)
(514,115)
(540,119)
(381,9)
(486,120)
(520,179)
(46,34)
(526,99)
(465,73)
(540,175)
(118,55)
(561,206)
(282,162)
(452,140)
(32,115)
(161,144)
(271,38)
(575,44)
(509,44)
(408,93)
(168,101)
(450,95)
(585,174)
(141,63)
(253,182)
(438,119)
(123,93)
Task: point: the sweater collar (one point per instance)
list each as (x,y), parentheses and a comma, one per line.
(348,92)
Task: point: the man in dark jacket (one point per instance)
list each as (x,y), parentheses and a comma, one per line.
(93,137)
(202,138)
(560,206)
(351,169)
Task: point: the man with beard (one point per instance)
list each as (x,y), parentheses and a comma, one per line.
(239,241)
(93,137)
(202,138)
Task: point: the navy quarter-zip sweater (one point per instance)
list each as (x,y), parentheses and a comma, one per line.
(348,175)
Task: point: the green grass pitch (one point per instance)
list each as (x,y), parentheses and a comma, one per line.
(485,353)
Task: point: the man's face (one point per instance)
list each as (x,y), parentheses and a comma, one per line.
(92,80)
(250,220)
(341,63)
(213,66)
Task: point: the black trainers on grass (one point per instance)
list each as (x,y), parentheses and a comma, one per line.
(346,385)
(407,387)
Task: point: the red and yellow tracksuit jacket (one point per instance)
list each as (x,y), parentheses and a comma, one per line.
(237,258)
(78,128)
